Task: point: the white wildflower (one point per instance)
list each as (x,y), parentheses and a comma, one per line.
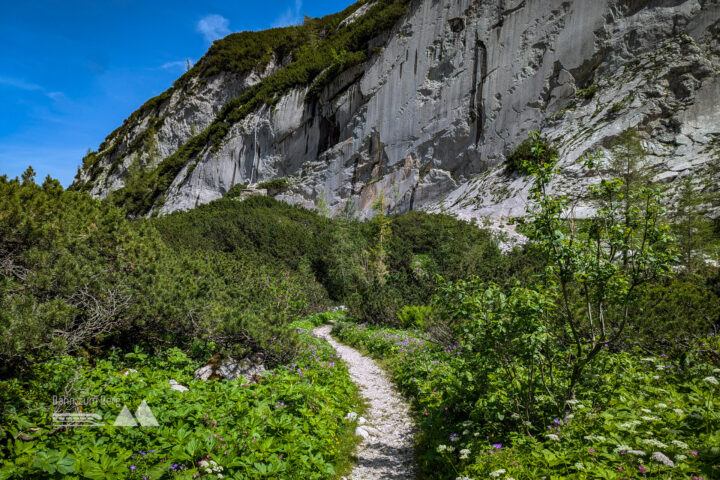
(351,416)
(220,475)
(204,464)
(660,367)
(680,444)
(638,453)
(464,454)
(680,458)
(450,449)
(656,377)
(678,411)
(463,478)
(553,437)
(595,438)
(476,434)
(647,359)
(629,425)
(442,448)
(467,423)
(650,418)
(527,424)
(509,478)
(654,443)
(572,402)
(208,470)
(662,458)
(646,410)
(581,406)
(579,466)
(515,416)
(622,448)
(711,380)
(497,473)
(661,405)
(465,432)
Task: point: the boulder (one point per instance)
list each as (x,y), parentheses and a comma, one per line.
(249,368)
(174,385)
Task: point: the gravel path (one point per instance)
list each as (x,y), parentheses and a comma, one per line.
(386,451)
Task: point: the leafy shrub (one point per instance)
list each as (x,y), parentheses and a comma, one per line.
(414,316)
(274,186)
(76,274)
(589,92)
(677,315)
(236,190)
(533,151)
(67,272)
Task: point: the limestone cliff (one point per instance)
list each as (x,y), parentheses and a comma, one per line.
(437,102)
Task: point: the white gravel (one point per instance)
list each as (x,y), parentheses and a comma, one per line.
(386,451)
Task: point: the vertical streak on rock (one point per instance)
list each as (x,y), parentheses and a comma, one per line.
(235,165)
(477,104)
(355,176)
(241,161)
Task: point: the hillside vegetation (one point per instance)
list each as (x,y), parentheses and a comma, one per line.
(312,55)
(88,296)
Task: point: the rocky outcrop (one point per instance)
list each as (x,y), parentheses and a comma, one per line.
(249,368)
(160,131)
(427,121)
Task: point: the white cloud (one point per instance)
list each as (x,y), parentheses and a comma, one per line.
(291,16)
(18,83)
(30,87)
(213,27)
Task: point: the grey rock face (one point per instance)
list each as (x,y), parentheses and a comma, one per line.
(185,113)
(427,122)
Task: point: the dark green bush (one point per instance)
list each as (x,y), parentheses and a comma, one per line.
(589,92)
(535,150)
(236,190)
(76,274)
(274,186)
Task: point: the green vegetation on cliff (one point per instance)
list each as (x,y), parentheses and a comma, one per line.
(312,54)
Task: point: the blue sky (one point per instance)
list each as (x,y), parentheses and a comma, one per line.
(72,70)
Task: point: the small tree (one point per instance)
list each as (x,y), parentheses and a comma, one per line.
(692,228)
(540,339)
(596,268)
(28,176)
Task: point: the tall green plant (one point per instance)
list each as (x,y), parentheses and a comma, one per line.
(597,268)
